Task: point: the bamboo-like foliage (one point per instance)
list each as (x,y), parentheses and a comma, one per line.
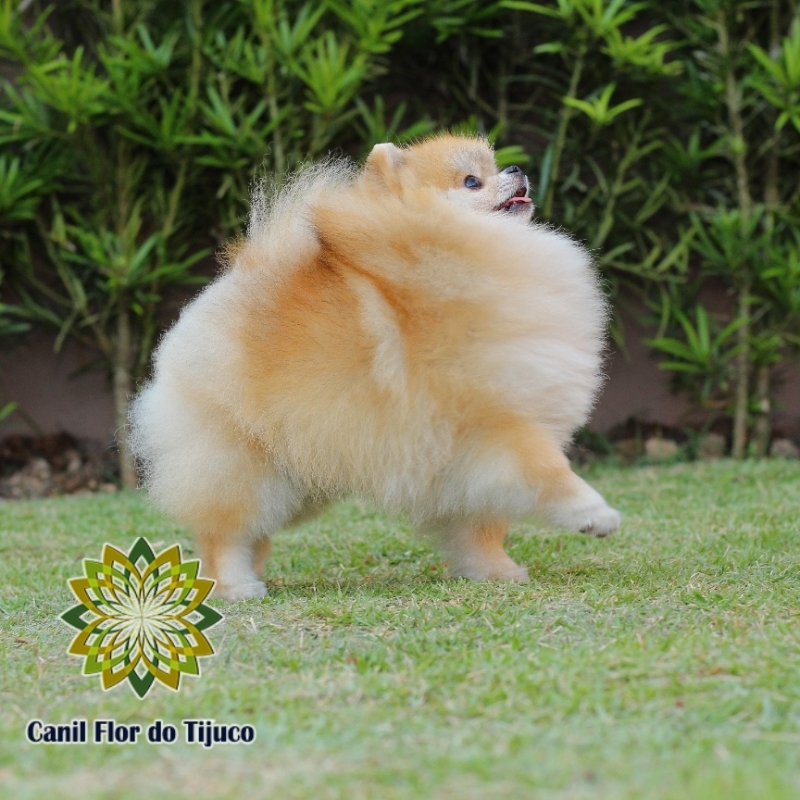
(666,135)
(130,134)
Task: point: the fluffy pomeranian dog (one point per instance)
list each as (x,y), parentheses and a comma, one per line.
(401,333)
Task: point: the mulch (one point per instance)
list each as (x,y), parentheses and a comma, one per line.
(55,464)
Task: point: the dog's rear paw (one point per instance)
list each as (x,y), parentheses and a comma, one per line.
(241,591)
(491,572)
(516,575)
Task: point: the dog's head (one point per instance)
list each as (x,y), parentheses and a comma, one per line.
(462,167)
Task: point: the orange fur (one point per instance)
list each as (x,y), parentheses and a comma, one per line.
(389,334)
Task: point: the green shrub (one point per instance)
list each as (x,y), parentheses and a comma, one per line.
(666,135)
(149,120)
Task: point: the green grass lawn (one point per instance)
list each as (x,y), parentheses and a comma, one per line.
(661,663)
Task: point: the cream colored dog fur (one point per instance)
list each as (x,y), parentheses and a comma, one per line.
(401,333)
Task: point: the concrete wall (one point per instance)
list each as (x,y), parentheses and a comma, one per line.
(637,387)
(50,393)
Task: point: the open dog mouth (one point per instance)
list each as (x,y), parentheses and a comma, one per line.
(517,200)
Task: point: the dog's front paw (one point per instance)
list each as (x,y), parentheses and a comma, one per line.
(241,591)
(588,513)
(515,575)
(601,522)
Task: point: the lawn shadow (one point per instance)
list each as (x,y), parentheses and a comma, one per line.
(553,578)
(372,585)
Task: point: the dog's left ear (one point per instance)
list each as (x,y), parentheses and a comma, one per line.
(384,162)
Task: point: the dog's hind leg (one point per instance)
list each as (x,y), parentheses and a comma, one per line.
(474,549)
(215,480)
(234,532)
(262,550)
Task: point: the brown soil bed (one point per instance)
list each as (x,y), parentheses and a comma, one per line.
(45,466)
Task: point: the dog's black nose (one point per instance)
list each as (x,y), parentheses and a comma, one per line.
(511,170)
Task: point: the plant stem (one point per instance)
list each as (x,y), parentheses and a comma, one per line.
(195,66)
(173,202)
(561,135)
(278,154)
(123,386)
(742,374)
(745,203)
(502,93)
(117,16)
(738,144)
(631,155)
(762,425)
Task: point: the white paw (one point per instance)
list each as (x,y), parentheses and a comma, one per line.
(241,591)
(515,575)
(479,571)
(588,513)
(602,522)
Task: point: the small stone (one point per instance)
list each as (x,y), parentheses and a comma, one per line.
(74,461)
(711,446)
(660,449)
(784,448)
(629,449)
(38,469)
(35,479)
(70,483)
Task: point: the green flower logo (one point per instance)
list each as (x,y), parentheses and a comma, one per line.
(141,617)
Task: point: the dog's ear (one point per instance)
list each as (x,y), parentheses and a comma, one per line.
(383,164)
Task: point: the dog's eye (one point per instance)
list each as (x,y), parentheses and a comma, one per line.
(471,182)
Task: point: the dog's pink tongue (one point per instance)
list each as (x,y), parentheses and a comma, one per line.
(519,200)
